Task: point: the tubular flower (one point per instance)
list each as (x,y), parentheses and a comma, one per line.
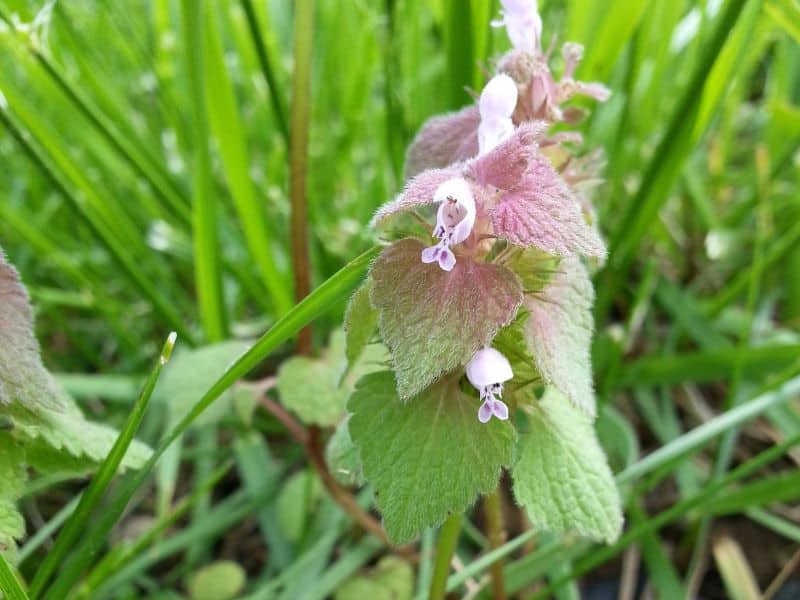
(487,371)
(454,221)
(523,24)
(497,103)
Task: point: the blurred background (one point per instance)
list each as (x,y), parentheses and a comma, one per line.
(131,129)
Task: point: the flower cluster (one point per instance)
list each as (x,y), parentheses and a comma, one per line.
(509,202)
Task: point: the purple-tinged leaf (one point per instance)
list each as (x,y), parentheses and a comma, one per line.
(433,320)
(543,212)
(559,333)
(506,164)
(23,378)
(444,140)
(418,192)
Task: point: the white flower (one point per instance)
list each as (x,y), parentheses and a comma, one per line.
(487,371)
(454,221)
(497,103)
(523,24)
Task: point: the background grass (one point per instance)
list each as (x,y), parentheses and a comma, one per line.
(125,225)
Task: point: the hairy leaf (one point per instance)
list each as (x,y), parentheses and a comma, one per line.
(23,378)
(562,477)
(542,211)
(189,375)
(67,441)
(315,389)
(360,322)
(444,140)
(429,457)
(433,321)
(559,333)
(12,476)
(418,192)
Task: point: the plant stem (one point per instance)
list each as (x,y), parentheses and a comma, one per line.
(298,157)
(448,537)
(493,510)
(312,444)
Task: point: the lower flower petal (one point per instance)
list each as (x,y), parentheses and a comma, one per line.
(485,411)
(500,410)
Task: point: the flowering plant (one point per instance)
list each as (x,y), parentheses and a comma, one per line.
(501,295)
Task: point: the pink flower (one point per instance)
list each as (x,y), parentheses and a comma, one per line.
(497,103)
(523,24)
(487,371)
(454,221)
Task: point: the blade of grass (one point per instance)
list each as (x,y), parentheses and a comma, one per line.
(226,126)
(664,167)
(603,554)
(113,562)
(74,526)
(117,250)
(266,69)
(9,584)
(204,206)
(329,293)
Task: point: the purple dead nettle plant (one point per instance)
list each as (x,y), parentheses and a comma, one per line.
(483,298)
(507,196)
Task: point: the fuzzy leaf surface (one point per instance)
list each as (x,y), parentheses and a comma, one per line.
(542,211)
(360,322)
(12,476)
(316,389)
(429,457)
(191,372)
(23,378)
(444,140)
(433,321)
(67,441)
(562,476)
(559,333)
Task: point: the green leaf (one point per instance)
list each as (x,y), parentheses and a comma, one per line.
(13,476)
(309,387)
(360,323)
(295,504)
(317,389)
(191,373)
(23,378)
(429,457)
(433,321)
(221,580)
(342,456)
(391,579)
(559,333)
(67,441)
(562,477)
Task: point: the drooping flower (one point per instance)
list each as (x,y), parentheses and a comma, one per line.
(454,221)
(487,371)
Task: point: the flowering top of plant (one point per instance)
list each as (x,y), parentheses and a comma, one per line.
(484,305)
(453,137)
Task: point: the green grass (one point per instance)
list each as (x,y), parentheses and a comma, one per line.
(145,189)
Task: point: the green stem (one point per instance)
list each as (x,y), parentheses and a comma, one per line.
(493,510)
(298,156)
(444,553)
